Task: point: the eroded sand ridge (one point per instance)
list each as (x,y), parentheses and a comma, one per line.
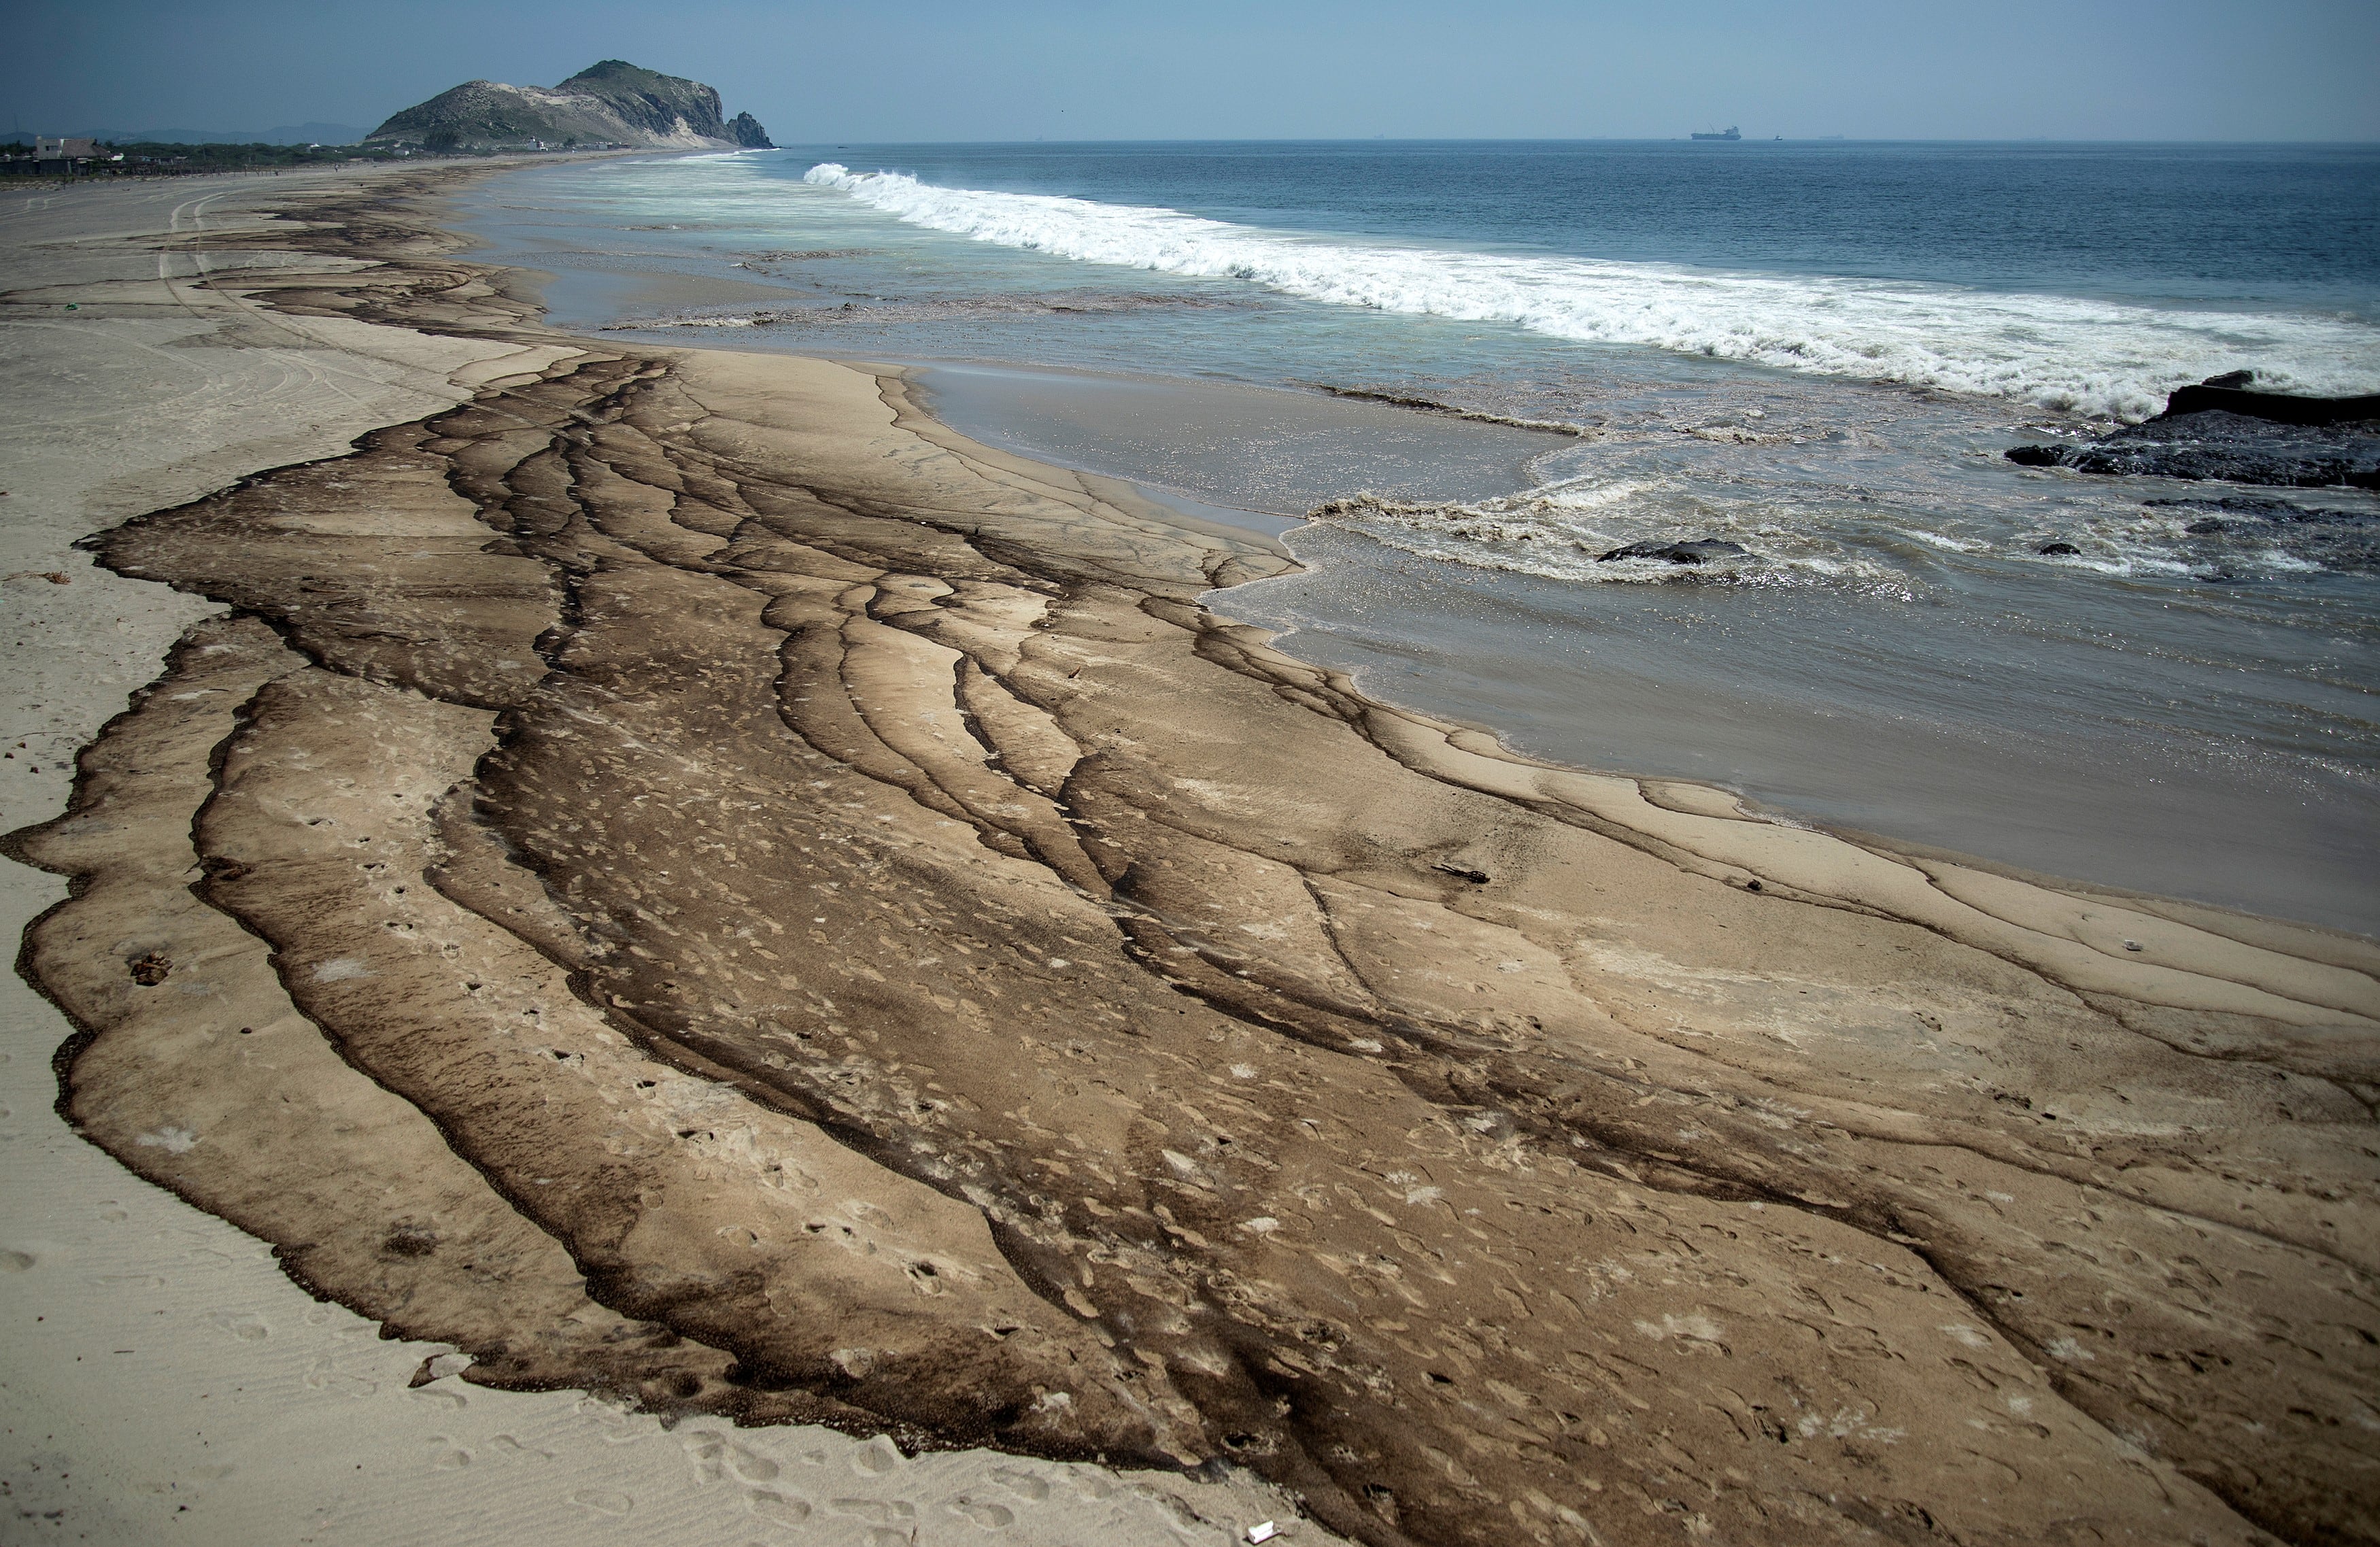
(834,930)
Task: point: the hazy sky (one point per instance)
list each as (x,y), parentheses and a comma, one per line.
(981,69)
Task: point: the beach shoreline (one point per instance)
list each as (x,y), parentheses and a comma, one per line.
(1909,642)
(727,579)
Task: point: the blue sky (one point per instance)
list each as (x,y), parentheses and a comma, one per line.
(932,69)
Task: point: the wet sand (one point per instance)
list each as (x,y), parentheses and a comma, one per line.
(700,884)
(1905,717)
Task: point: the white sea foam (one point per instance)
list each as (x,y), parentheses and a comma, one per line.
(2064,352)
(1563,531)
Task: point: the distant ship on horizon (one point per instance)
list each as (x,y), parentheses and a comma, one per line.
(1732,133)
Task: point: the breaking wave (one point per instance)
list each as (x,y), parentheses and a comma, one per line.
(2071,353)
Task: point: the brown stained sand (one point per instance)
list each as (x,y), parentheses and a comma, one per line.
(750,1231)
(296,1149)
(244,1412)
(835,880)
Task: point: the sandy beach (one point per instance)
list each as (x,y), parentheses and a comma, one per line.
(686,948)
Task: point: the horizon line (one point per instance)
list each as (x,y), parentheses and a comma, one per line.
(1585,140)
(1396,140)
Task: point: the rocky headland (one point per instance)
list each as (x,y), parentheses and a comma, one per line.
(611,103)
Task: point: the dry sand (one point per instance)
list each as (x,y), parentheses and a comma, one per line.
(683,878)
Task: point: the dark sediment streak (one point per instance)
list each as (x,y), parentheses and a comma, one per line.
(1432,406)
(830,885)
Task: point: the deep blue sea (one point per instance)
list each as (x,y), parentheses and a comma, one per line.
(1816,350)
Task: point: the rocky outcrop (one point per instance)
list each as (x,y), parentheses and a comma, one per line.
(2231,394)
(612,103)
(2222,430)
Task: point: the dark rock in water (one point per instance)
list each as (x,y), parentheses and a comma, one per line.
(2230,394)
(2230,447)
(1678,553)
(2219,444)
(2055,549)
(2209,528)
(746,130)
(2222,428)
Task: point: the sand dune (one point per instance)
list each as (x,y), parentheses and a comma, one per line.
(712,888)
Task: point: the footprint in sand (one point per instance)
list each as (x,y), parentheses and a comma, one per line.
(777,1508)
(705,1449)
(880,1512)
(603,1500)
(13,1262)
(749,1467)
(1022,1483)
(991,1516)
(323,1377)
(618,1427)
(876,1457)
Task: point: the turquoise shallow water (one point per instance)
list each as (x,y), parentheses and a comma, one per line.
(1816,352)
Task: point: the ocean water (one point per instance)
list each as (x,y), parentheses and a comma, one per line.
(1490,365)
